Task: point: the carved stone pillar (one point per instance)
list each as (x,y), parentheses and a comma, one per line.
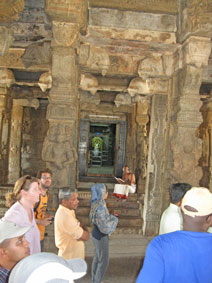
(186,118)
(205,133)
(14,167)
(60,146)
(142,118)
(3,134)
(156,153)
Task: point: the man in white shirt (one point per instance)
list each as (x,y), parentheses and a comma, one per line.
(171,219)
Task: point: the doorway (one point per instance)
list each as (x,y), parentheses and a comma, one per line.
(102,139)
(101,148)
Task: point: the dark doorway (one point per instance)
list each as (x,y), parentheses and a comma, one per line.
(108,160)
(102,140)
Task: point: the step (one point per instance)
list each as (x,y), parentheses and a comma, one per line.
(84,211)
(123,221)
(86,186)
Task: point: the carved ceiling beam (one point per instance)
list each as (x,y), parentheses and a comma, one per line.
(132,34)
(138,5)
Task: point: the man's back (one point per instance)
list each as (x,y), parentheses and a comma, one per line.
(171,220)
(181,256)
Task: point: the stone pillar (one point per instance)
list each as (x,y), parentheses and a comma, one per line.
(60,146)
(142,118)
(186,118)
(156,154)
(3,134)
(14,168)
(205,133)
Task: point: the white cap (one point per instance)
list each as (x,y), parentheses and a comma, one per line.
(47,267)
(197,202)
(9,230)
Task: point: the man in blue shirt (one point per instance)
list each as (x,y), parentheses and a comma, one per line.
(183,256)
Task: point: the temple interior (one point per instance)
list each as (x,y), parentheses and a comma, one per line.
(87,86)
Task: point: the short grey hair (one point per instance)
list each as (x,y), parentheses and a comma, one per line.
(65,193)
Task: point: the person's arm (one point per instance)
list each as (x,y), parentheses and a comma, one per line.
(153,267)
(44,222)
(72,227)
(85,236)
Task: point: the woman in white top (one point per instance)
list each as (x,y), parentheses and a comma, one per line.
(21,201)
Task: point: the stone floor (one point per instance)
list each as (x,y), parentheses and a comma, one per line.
(126,258)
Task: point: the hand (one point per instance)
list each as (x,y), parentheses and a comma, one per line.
(46,221)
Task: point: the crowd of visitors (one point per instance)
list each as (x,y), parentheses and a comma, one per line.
(180,253)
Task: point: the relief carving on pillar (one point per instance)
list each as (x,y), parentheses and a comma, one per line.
(71,11)
(9,10)
(59,153)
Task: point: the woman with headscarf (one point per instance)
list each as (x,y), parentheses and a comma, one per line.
(25,194)
(103,225)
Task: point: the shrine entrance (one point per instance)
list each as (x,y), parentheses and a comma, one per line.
(101,152)
(101,148)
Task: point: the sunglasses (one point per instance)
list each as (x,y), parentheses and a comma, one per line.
(28,177)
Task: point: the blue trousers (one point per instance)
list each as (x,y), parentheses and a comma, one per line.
(101,259)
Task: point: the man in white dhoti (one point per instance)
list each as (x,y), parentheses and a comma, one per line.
(126,184)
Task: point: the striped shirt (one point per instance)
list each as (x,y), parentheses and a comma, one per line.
(4,275)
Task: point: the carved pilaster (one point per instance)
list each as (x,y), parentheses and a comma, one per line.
(15,137)
(156,155)
(205,133)
(142,119)
(3,134)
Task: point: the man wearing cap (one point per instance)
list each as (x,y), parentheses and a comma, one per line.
(171,219)
(69,233)
(13,247)
(47,267)
(183,256)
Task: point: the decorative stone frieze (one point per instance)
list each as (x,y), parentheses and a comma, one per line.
(6,39)
(9,9)
(45,81)
(86,98)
